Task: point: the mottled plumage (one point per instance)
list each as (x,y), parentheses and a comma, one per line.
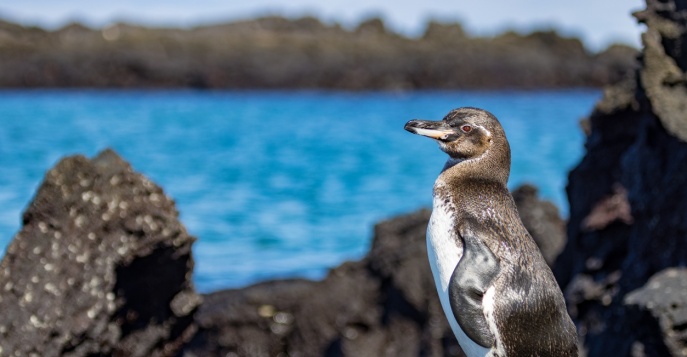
(497,291)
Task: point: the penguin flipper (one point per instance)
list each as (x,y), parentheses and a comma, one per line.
(471,278)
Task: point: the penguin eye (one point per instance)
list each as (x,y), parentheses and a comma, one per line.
(466,128)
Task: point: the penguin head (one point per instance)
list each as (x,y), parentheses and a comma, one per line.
(464,133)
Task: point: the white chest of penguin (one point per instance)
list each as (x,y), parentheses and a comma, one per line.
(444,250)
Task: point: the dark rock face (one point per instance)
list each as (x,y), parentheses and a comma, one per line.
(628,201)
(542,220)
(661,307)
(274,52)
(102,266)
(384,305)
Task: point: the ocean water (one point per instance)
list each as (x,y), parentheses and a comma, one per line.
(277,184)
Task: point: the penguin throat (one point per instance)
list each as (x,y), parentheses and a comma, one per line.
(452,161)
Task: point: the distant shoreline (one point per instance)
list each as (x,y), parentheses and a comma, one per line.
(292,90)
(282,54)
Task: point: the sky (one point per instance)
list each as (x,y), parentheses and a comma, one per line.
(597,22)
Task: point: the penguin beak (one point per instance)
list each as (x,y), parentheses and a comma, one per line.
(437,130)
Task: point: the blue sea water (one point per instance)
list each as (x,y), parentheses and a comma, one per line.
(277,184)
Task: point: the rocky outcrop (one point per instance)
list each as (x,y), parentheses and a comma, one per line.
(275,52)
(384,305)
(628,202)
(542,220)
(101,266)
(660,307)
(664,63)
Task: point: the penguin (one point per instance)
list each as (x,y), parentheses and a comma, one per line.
(498,294)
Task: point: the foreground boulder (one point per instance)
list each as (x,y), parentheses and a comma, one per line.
(628,196)
(661,307)
(101,266)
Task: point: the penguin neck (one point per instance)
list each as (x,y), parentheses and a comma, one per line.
(493,165)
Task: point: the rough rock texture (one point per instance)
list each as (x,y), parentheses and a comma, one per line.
(542,220)
(661,304)
(665,62)
(274,52)
(100,267)
(384,305)
(628,202)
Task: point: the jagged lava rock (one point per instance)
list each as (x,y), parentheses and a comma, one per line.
(628,196)
(661,304)
(101,266)
(542,220)
(665,62)
(383,305)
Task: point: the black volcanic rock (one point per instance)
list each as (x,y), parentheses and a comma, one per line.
(542,220)
(628,202)
(101,266)
(660,307)
(384,305)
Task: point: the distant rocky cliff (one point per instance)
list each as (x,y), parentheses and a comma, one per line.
(279,53)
